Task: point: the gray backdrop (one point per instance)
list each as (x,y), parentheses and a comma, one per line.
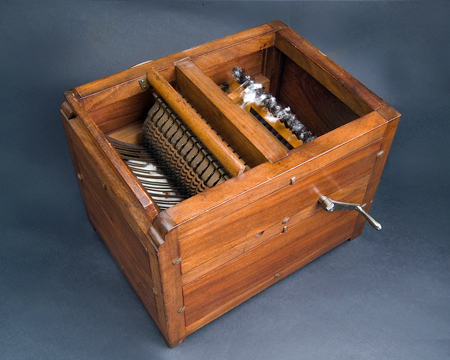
(385,295)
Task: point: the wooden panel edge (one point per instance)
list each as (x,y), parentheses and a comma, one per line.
(377,171)
(342,84)
(171,298)
(151,209)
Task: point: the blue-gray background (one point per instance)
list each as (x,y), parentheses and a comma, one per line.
(385,295)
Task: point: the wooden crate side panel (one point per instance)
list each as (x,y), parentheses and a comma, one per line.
(252,64)
(351,193)
(228,54)
(234,231)
(119,237)
(238,280)
(349,90)
(313,103)
(221,200)
(113,116)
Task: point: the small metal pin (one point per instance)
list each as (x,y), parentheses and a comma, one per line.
(144,84)
(154,292)
(176,261)
(293,180)
(181,310)
(285,221)
(285,229)
(380,154)
(277,275)
(80,177)
(104,186)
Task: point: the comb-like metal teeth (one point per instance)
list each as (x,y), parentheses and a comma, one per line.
(143,166)
(186,160)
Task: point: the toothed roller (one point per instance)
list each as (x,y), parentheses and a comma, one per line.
(186,161)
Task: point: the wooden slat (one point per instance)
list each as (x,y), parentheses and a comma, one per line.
(233,231)
(351,193)
(193,213)
(238,280)
(249,138)
(343,85)
(199,127)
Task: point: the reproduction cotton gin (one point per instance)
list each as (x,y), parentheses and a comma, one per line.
(206,193)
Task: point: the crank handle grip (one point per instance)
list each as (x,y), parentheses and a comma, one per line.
(331,205)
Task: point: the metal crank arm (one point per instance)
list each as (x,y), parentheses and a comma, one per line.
(331,205)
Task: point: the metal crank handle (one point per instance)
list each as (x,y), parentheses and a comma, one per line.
(331,205)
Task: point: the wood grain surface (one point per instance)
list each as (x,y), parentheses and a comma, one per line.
(200,258)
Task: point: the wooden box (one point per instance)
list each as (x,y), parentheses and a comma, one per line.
(196,260)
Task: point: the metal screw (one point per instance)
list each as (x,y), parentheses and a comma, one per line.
(380,154)
(293,180)
(176,261)
(285,229)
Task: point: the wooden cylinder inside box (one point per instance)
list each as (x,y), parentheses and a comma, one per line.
(205,255)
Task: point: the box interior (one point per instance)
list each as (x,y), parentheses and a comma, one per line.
(293,86)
